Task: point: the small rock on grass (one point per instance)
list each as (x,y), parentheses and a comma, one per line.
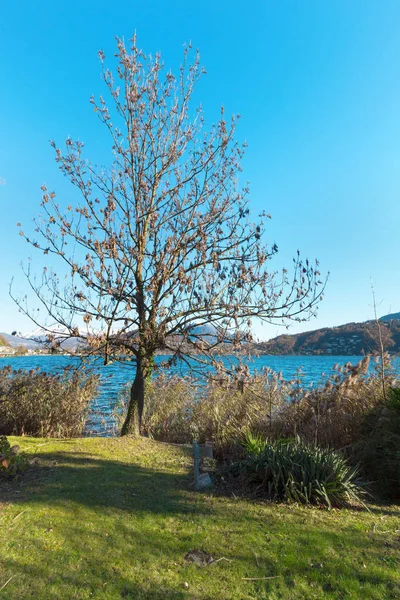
(199,557)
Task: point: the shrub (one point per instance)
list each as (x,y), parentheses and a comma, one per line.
(378,449)
(44,405)
(297,472)
(11,462)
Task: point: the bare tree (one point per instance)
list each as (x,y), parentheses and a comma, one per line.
(161,244)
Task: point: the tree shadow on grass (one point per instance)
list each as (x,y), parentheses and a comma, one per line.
(94,528)
(78,477)
(105,528)
(78,569)
(388,508)
(50,582)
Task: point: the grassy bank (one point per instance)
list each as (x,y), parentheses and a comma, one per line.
(115,518)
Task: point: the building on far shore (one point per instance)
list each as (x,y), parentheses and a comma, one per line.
(6,350)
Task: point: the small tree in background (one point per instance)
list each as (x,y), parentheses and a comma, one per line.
(161,254)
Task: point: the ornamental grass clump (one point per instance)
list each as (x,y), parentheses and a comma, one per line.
(294,471)
(45,405)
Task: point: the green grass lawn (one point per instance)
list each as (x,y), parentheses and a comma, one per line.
(114,518)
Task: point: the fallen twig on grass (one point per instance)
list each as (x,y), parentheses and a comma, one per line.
(260,578)
(18,515)
(222,558)
(7,582)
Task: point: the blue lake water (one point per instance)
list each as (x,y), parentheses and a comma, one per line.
(315,369)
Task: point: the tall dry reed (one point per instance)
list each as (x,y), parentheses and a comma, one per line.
(45,405)
(331,414)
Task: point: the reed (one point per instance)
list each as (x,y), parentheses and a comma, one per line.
(45,405)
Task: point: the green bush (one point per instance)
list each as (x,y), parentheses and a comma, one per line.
(378,449)
(44,405)
(294,471)
(11,462)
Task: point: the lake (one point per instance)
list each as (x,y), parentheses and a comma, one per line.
(114,376)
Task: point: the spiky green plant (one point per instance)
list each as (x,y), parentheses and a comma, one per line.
(294,471)
(254,444)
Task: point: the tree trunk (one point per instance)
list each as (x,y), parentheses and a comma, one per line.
(133,420)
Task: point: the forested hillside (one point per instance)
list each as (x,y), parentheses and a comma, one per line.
(349,339)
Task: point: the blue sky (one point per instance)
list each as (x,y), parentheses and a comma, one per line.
(317,85)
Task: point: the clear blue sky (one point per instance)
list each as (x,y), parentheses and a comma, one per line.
(317,85)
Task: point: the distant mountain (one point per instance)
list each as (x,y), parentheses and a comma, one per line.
(38,342)
(72,344)
(392,317)
(345,340)
(207,332)
(14,341)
